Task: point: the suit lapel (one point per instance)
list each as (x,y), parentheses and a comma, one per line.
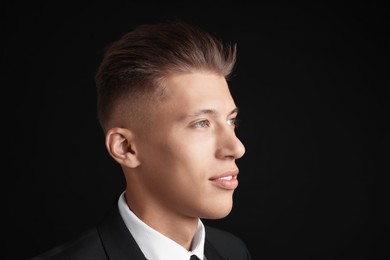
(118,243)
(211,252)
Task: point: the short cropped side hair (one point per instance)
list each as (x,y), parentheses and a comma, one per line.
(135,66)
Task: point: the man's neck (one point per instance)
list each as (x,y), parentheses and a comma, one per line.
(178,227)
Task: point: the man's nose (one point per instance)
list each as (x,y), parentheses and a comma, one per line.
(229,145)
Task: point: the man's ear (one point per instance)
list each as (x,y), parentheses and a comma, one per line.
(120,145)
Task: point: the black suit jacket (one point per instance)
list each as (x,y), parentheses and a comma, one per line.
(112,240)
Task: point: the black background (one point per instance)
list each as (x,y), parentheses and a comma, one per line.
(310,83)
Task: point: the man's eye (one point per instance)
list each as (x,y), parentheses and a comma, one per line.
(233,122)
(202,124)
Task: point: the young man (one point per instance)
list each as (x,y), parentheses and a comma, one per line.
(169,120)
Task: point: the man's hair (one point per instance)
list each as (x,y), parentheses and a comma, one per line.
(135,66)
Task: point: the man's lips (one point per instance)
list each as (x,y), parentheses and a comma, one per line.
(227,181)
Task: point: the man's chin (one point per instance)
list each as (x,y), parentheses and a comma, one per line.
(218,212)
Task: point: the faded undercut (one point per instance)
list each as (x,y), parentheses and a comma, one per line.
(134,67)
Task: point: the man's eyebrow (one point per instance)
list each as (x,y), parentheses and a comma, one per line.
(209,112)
(234,111)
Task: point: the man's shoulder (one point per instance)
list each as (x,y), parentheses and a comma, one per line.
(85,246)
(227,243)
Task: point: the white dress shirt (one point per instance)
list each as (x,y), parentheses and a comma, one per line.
(153,244)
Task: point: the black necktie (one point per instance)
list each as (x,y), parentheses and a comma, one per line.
(194,257)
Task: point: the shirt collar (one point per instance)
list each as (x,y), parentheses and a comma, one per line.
(155,245)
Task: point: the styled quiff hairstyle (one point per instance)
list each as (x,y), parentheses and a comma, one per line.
(134,67)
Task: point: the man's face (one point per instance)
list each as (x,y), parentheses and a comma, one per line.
(188,153)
